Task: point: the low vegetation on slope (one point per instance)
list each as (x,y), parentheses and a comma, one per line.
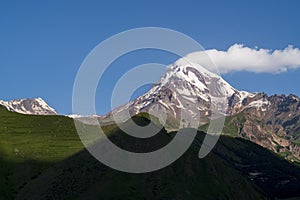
(29,144)
(42,158)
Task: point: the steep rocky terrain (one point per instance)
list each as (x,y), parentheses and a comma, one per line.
(271,121)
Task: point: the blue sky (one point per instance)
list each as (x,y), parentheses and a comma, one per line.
(43,43)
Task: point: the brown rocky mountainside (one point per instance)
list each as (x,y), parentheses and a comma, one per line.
(274,123)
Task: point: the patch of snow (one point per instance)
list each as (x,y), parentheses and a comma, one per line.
(244,94)
(184,92)
(260,104)
(164,104)
(180,104)
(191,99)
(74,116)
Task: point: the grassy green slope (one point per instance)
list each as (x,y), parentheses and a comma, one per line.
(42,158)
(30,144)
(236,169)
(83,177)
(232,125)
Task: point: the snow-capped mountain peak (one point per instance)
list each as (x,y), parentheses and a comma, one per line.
(186,87)
(31,106)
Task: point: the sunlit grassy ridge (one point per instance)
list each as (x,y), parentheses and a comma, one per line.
(40,138)
(29,144)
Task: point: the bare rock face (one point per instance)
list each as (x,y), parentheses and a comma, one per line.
(31,106)
(272,122)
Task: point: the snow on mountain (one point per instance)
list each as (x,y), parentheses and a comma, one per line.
(74,116)
(31,106)
(186,87)
(270,121)
(90,119)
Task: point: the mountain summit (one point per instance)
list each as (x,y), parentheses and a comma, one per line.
(188,88)
(31,106)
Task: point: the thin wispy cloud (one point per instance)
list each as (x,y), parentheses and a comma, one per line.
(241,58)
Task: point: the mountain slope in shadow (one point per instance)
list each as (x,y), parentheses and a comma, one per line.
(235,169)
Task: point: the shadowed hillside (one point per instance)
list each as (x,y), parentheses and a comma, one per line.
(236,169)
(42,158)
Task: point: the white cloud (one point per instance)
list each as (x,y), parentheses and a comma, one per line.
(241,58)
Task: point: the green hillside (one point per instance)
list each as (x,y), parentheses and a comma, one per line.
(31,144)
(42,158)
(236,169)
(232,125)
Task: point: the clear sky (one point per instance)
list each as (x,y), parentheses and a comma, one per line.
(43,43)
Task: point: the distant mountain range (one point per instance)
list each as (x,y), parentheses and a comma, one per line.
(187,87)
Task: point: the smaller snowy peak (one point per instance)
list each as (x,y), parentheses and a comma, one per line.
(245,100)
(30,106)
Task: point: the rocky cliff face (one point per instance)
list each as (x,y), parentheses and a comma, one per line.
(273,123)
